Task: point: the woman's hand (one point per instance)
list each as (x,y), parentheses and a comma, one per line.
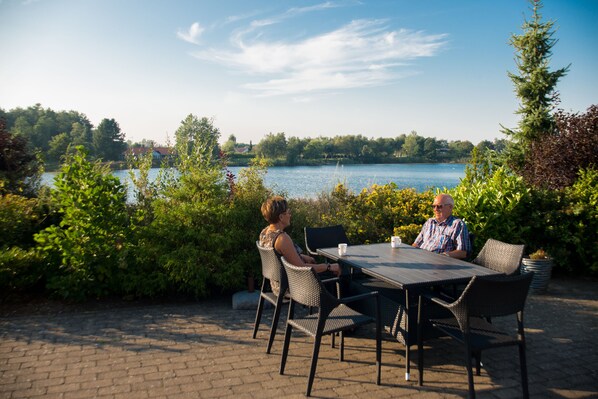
(336,269)
(307,259)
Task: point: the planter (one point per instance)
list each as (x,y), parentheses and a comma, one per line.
(542,269)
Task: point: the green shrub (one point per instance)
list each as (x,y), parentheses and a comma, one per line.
(376,213)
(563,223)
(88,248)
(20,269)
(20,218)
(246,220)
(499,206)
(189,234)
(582,212)
(204,230)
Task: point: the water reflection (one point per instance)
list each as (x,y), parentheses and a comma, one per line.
(309,181)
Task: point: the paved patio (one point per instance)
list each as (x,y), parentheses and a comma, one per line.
(205,350)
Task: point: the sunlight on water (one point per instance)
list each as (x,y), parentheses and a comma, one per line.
(309,181)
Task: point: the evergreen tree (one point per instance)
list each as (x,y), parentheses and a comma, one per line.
(108,141)
(535,85)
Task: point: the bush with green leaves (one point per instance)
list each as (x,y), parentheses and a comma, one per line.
(188,234)
(20,166)
(502,206)
(20,270)
(203,224)
(498,206)
(87,249)
(20,218)
(582,212)
(376,213)
(246,220)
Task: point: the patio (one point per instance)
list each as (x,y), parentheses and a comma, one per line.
(204,349)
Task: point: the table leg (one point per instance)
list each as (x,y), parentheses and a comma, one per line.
(407,342)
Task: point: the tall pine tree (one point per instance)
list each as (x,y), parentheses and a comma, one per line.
(535,85)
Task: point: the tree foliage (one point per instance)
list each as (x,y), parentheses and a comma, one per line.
(535,84)
(108,141)
(87,249)
(52,133)
(555,161)
(20,169)
(196,143)
(272,146)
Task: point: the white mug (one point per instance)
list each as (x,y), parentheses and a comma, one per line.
(395,241)
(342,249)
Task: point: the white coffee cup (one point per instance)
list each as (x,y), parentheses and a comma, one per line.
(342,249)
(395,241)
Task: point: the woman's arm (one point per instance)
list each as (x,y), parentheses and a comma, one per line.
(284,245)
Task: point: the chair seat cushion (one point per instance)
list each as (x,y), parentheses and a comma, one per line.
(482,333)
(341,318)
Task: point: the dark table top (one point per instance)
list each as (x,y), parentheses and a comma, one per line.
(406,267)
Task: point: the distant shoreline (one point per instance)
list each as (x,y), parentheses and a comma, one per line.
(122,165)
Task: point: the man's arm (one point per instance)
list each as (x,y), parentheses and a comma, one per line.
(420,237)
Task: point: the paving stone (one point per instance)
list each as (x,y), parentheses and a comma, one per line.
(204,350)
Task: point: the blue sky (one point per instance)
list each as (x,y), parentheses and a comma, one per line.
(306,68)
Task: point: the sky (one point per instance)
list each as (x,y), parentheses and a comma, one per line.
(379,68)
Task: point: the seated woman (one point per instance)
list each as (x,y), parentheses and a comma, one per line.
(276,212)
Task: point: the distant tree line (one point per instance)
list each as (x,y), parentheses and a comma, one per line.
(359,149)
(53,134)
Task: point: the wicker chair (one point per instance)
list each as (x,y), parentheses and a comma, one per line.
(500,256)
(333,316)
(495,255)
(484,297)
(324,237)
(272,270)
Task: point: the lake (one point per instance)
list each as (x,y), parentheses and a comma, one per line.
(309,181)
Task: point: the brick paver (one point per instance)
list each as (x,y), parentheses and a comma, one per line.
(204,349)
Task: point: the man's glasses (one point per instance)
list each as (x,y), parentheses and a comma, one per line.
(438,206)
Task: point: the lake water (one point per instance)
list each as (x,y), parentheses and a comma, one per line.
(309,181)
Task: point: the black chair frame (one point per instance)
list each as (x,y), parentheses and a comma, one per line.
(483,298)
(334,316)
(272,270)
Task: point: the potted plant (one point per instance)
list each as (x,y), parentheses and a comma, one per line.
(541,264)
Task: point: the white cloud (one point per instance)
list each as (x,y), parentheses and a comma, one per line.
(362,53)
(193,34)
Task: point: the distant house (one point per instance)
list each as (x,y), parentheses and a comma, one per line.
(242,150)
(158,153)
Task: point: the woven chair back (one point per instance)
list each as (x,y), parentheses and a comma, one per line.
(271,267)
(306,287)
(494,296)
(500,256)
(324,237)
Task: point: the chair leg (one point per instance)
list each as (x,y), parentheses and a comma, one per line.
(378,342)
(274,326)
(478,362)
(285,347)
(420,343)
(314,362)
(341,356)
(258,316)
(523,365)
(468,365)
(287,337)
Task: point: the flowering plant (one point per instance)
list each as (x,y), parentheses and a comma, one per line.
(539,254)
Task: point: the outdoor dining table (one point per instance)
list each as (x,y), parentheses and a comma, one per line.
(407,268)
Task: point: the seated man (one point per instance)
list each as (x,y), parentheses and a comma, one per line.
(444,233)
